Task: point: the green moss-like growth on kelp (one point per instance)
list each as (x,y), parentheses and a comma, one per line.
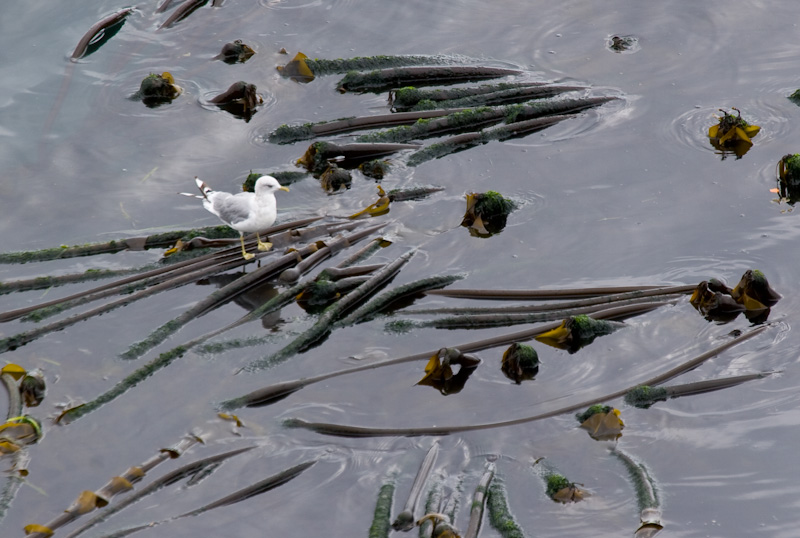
(555,483)
(500,516)
(591,411)
(795,97)
(321,66)
(466,120)
(644,396)
(381,520)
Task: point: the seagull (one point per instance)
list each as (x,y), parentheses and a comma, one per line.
(245,211)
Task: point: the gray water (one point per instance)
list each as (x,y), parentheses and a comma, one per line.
(631,193)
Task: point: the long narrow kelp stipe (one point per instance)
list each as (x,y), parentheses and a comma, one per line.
(273,393)
(356,431)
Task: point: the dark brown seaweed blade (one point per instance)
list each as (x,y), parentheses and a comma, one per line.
(183,11)
(386,79)
(565,293)
(100,32)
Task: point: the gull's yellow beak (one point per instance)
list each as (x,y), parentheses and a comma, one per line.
(284,189)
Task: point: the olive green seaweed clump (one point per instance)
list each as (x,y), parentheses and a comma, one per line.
(795,97)
(644,396)
(555,483)
(500,515)
(593,410)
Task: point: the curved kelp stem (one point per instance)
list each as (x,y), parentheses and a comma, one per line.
(326,320)
(646,495)
(539,295)
(100,32)
(258,488)
(478,502)
(182,11)
(591,294)
(14,479)
(238,286)
(164,359)
(405,519)
(89,501)
(188,470)
(382,301)
(503,320)
(355,431)
(277,391)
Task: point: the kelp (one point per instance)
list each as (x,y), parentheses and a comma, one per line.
(557,486)
(752,295)
(89,501)
(578,331)
(463,120)
(100,32)
(387,79)
(439,373)
(409,96)
(324,323)
(383,511)
(287,134)
(544,294)
(646,495)
(240,100)
(788,174)
(500,516)
(375,169)
(379,207)
(479,502)
(732,134)
(602,422)
(273,393)
(321,66)
(405,519)
(15,473)
(47,282)
(500,319)
(386,299)
(190,470)
(487,213)
(412,193)
(356,431)
(317,156)
(182,11)
(494,98)
(235,52)
(335,179)
(520,362)
(644,396)
(156,89)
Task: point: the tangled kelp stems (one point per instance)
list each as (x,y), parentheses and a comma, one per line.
(272,393)
(325,322)
(356,431)
(89,501)
(237,287)
(170,478)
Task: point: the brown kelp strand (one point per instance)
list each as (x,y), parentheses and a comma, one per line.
(287,134)
(501,97)
(387,79)
(469,140)
(477,321)
(23,338)
(185,471)
(215,300)
(479,502)
(553,107)
(409,96)
(500,516)
(465,120)
(324,324)
(412,193)
(644,396)
(317,156)
(537,295)
(273,393)
(405,519)
(163,6)
(321,66)
(591,300)
(47,282)
(167,272)
(381,302)
(89,501)
(100,31)
(356,431)
(182,11)
(248,492)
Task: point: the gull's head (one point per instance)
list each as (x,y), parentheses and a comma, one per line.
(268,184)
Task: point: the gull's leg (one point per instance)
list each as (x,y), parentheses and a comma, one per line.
(262,246)
(244,252)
